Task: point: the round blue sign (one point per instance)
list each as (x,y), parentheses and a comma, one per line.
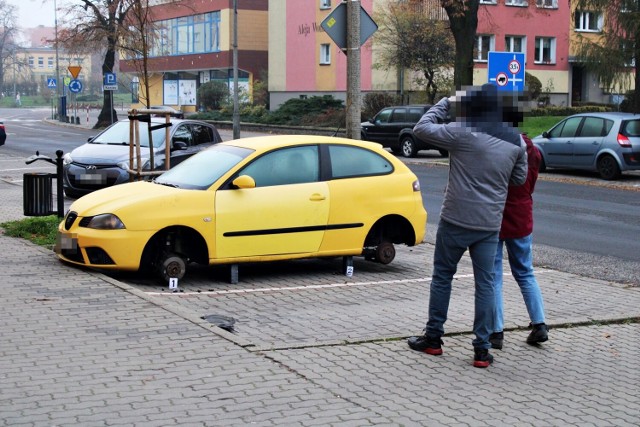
(75,86)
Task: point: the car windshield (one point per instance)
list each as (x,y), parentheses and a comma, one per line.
(118,134)
(202,170)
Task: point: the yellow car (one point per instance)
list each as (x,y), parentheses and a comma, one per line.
(247,200)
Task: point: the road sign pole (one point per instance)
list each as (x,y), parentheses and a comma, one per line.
(353,69)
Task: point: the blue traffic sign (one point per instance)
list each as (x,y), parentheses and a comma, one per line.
(75,86)
(506,70)
(109,81)
(51,83)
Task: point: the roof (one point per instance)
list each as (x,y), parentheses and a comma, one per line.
(276,141)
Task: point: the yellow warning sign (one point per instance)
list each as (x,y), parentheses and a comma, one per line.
(74,70)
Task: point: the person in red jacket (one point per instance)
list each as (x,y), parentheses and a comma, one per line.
(516,235)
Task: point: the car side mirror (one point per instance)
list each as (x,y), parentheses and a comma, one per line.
(179,145)
(545,134)
(244,181)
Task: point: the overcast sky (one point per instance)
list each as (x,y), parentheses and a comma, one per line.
(32,13)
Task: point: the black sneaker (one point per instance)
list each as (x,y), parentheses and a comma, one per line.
(496,339)
(538,334)
(482,358)
(426,344)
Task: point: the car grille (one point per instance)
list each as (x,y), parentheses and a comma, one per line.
(98,256)
(74,255)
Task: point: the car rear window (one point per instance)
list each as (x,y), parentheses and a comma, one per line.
(631,128)
(595,126)
(347,162)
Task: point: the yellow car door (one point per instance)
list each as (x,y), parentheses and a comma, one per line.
(285,213)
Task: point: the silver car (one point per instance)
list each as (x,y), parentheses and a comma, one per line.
(607,143)
(104,160)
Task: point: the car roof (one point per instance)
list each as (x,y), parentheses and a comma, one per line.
(266,143)
(609,115)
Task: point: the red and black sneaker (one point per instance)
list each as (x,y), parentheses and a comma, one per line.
(424,343)
(482,358)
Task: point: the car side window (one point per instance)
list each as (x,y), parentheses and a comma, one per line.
(202,134)
(415,114)
(294,165)
(566,129)
(595,126)
(348,162)
(183,134)
(383,116)
(631,128)
(399,115)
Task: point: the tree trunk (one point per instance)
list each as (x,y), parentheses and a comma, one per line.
(108,114)
(464,22)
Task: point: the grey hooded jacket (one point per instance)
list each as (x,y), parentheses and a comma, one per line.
(485,157)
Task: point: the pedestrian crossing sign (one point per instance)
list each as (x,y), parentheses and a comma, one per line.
(51,83)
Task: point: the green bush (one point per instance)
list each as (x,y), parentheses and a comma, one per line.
(568,111)
(39,230)
(213,94)
(534,86)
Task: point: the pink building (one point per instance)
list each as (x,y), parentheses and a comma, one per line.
(304,61)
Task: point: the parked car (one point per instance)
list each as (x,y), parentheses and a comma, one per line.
(3,133)
(104,160)
(249,200)
(173,112)
(607,143)
(393,127)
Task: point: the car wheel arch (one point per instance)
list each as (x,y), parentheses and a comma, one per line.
(176,239)
(392,228)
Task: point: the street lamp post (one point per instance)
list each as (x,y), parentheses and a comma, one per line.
(58,82)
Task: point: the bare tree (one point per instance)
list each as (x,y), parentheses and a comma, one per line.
(613,52)
(413,38)
(463,19)
(93,23)
(8,40)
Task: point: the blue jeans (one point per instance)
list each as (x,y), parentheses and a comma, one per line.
(520,260)
(451,243)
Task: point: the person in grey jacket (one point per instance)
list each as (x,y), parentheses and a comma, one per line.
(486,155)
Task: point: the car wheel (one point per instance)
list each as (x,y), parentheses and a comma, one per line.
(385,252)
(171,266)
(444,153)
(608,167)
(408,146)
(543,166)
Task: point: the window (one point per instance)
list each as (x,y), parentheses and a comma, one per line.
(515,44)
(383,116)
(487,1)
(545,50)
(566,129)
(522,3)
(325,54)
(399,115)
(183,134)
(31,61)
(595,126)
(201,134)
(347,162)
(287,166)
(187,34)
(588,21)
(50,62)
(484,44)
(325,4)
(40,62)
(549,4)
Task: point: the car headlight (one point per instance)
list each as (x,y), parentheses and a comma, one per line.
(125,165)
(106,222)
(66,159)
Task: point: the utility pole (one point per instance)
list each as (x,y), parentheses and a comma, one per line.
(236,107)
(353,70)
(58,82)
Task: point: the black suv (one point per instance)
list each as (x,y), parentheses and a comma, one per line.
(393,127)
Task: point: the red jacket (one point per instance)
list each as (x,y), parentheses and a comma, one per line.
(517,220)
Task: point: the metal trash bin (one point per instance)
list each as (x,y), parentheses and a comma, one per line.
(37,194)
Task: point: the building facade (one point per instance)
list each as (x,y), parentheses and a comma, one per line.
(194,45)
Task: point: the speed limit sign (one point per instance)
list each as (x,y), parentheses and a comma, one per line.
(514,67)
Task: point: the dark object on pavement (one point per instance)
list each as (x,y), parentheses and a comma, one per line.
(482,358)
(224,322)
(429,345)
(496,339)
(538,334)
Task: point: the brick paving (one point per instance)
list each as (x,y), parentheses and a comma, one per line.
(311,347)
